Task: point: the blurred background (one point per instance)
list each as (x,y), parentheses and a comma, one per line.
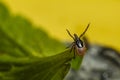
(55,16)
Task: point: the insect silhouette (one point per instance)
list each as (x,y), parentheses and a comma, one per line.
(78,46)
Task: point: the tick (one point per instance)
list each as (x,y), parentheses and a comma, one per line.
(78,45)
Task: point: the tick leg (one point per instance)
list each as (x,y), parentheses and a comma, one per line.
(71,49)
(84,31)
(70,45)
(74,52)
(69,34)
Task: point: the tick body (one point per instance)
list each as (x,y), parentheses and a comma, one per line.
(78,46)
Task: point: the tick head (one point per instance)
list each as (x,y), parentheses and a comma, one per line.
(78,41)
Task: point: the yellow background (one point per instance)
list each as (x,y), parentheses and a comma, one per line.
(56,15)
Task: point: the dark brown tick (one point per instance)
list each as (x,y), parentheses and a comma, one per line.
(78,46)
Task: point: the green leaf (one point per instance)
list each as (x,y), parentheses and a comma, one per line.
(28,53)
(75,63)
(31,40)
(48,68)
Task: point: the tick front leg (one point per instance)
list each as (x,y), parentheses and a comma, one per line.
(71,45)
(74,52)
(73,49)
